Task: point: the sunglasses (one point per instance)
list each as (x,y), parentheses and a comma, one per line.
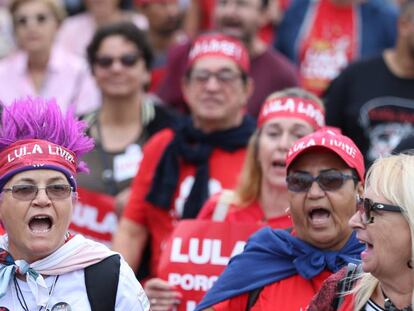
(222,76)
(127,60)
(366,206)
(38,18)
(29,192)
(329,180)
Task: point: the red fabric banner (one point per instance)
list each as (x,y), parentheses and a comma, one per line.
(94,216)
(197,253)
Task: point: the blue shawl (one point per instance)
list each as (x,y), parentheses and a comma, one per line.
(273,255)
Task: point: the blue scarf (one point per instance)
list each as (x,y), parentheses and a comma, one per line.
(273,255)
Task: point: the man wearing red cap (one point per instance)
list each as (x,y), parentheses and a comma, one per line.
(269,70)
(202,154)
(286,268)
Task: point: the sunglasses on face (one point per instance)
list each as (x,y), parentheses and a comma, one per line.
(222,76)
(328,180)
(126,60)
(23,20)
(29,192)
(366,206)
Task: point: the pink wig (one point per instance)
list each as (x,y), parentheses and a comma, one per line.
(36,118)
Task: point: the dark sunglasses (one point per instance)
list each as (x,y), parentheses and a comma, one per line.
(366,206)
(328,180)
(38,18)
(127,60)
(29,192)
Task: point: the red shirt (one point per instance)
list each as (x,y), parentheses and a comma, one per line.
(250,213)
(291,294)
(223,169)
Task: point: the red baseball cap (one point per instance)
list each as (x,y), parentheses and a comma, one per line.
(333,140)
(219,45)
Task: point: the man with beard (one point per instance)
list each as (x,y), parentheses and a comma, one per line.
(372,101)
(164,23)
(269,69)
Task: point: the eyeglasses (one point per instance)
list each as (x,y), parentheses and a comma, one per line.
(23,20)
(29,192)
(127,60)
(328,180)
(366,206)
(223,76)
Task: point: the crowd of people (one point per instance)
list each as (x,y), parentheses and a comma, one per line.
(222,146)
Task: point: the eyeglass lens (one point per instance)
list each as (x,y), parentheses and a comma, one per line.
(127,60)
(327,181)
(29,192)
(224,76)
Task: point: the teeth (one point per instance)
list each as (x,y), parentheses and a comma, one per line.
(41,217)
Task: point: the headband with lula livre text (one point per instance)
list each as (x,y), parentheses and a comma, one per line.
(37,154)
(219,45)
(292,107)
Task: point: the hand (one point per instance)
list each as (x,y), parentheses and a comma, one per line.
(121,200)
(161,295)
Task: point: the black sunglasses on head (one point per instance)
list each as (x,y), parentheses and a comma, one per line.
(366,206)
(329,180)
(127,60)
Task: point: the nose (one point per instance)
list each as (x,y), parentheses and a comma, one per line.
(355,222)
(41,197)
(212,83)
(315,191)
(284,142)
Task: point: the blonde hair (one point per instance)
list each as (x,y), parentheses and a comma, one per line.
(55,6)
(249,184)
(390,177)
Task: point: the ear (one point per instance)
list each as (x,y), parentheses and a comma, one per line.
(249,87)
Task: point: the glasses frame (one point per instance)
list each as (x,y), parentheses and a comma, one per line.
(127,60)
(366,206)
(344,177)
(36,192)
(216,75)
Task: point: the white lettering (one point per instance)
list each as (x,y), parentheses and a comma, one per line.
(87,216)
(203,251)
(192,282)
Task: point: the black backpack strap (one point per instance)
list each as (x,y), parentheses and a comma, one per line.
(252,297)
(101,280)
(345,284)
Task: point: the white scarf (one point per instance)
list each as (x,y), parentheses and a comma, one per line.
(77,253)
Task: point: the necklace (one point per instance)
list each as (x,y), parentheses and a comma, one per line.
(22,301)
(389,305)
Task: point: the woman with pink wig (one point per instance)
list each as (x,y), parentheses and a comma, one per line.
(42,266)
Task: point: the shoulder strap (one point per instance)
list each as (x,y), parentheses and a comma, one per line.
(345,284)
(101,280)
(223,205)
(252,297)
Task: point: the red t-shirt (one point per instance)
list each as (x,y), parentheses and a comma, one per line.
(224,167)
(250,213)
(291,294)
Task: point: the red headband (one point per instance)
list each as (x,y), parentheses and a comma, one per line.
(219,45)
(292,107)
(35,154)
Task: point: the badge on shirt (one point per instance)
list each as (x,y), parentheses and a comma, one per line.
(61,306)
(126,165)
